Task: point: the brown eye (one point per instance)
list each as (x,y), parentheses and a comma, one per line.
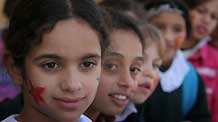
(50,65)
(135,70)
(177,29)
(214,17)
(110,66)
(201,10)
(88,64)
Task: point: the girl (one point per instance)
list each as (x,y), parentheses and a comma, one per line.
(8,90)
(50,58)
(153,54)
(121,65)
(204,16)
(180,95)
(204,54)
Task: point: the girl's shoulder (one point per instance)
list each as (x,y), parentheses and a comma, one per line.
(10,118)
(84,118)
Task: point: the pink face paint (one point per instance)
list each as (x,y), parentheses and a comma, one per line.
(179,41)
(36,93)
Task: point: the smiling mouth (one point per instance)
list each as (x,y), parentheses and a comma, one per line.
(69,103)
(121,100)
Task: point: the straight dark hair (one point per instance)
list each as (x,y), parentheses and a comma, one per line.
(33,18)
(177,4)
(118,20)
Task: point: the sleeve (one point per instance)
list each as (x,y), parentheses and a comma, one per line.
(200,111)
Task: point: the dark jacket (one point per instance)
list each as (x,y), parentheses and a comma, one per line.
(167,107)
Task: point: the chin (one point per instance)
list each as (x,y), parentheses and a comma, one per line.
(113,112)
(140,100)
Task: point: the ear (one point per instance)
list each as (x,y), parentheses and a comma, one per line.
(13,70)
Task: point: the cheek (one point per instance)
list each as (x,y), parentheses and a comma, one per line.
(36,92)
(104,83)
(193,19)
(213,26)
(91,85)
(179,41)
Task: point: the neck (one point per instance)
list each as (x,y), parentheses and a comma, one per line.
(32,114)
(214,43)
(92,113)
(189,44)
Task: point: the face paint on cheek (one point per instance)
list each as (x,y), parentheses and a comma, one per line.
(36,93)
(179,41)
(156,79)
(193,18)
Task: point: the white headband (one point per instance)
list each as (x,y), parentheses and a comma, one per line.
(163,8)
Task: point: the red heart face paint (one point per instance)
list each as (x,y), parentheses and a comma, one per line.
(36,93)
(179,41)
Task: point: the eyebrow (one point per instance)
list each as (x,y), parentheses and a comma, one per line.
(54,56)
(51,56)
(91,55)
(140,58)
(114,54)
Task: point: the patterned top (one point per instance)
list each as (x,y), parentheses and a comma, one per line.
(7,88)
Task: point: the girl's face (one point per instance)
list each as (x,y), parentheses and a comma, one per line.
(172,26)
(61,73)
(121,66)
(204,19)
(149,78)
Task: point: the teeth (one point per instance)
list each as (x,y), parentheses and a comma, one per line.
(120,97)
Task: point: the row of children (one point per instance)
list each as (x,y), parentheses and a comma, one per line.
(110,78)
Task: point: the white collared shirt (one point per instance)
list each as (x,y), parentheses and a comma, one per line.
(173,78)
(11,118)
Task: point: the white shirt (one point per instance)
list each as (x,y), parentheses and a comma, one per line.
(188,53)
(173,78)
(11,118)
(129,109)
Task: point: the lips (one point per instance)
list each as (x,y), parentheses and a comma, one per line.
(201,29)
(69,103)
(121,100)
(146,85)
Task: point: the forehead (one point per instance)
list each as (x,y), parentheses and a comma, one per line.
(125,42)
(153,50)
(69,38)
(168,18)
(210,5)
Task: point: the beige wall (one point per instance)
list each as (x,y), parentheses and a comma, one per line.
(2,18)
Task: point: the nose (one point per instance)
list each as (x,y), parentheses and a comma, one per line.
(169,37)
(126,80)
(71,80)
